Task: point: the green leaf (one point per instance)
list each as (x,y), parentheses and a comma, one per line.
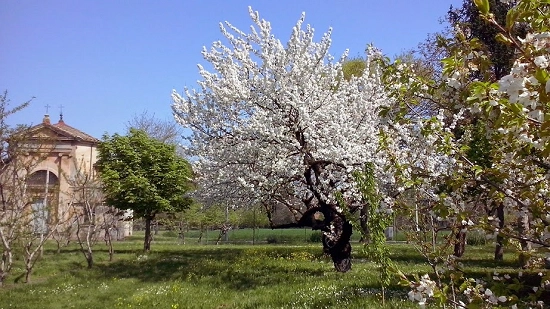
(503,39)
(541,75)
(516,108)
(511,18)
(482,6)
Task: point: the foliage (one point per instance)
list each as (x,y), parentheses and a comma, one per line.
(354,68)
(278,125)
(231,276)
(504,154)
(143,174)
(377,223)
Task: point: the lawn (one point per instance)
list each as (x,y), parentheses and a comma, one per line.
(279,275)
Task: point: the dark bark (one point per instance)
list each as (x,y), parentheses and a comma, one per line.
(336,230)
(499,248)
(200,234)
(89,259)
(460,242)
(109,242)
(337,244)
(148,236)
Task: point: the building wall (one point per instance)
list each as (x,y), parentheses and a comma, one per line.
(65,161)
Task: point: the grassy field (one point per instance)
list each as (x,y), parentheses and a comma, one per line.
(280,275)
(247,236)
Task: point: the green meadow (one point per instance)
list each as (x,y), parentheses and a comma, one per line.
(290,272)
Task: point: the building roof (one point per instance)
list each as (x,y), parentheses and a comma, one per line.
(64,131)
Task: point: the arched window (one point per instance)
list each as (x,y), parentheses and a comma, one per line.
(43,186)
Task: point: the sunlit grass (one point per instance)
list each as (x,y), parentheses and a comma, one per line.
(225,276)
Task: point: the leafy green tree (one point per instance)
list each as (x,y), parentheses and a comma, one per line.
(354,67)
(145,175)
(500,54)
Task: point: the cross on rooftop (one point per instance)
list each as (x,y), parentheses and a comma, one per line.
(61,112)
(47,106)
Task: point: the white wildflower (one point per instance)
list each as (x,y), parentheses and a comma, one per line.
(542,61)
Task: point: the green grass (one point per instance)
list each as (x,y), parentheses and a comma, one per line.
(246,236)
(224,276)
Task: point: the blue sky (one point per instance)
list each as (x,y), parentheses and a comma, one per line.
(106,61)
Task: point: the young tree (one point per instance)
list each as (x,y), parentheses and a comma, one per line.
(278,125)
(32,209)
(500,59)
(27,215)
(88,209)
(8,180)
(165,131)
(145,175)
(512,115)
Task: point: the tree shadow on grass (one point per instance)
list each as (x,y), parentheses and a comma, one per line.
(233,268)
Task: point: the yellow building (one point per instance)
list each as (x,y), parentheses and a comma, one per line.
(60,177)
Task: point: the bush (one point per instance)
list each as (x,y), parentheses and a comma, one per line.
(315,237)
(275,239)
(170,234)
(476,238)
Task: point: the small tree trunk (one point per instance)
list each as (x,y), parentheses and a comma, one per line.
(499,248)
(181,232)
(5,266)
(460,242)
(90,258)
(223,232)
(156,227)
(29,264)
(523,226)
(109,243)
(200,234)
(28,275)
(148,236)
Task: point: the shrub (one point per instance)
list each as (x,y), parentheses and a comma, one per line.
(275,239)
(170,233)
(315,237)
(476,238)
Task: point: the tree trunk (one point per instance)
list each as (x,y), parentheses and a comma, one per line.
(200,234)
(460,242)
(90,258)
(156,227)
(5,266)
(499,248)
(28,275)
(523,228)
(29,265)
(148,236)
(336,239)
(223,233)
(109,243)
(181,232)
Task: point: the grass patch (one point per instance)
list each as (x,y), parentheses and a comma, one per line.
(295,275)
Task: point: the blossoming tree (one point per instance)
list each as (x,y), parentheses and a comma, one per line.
(278,125)
(513,117)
